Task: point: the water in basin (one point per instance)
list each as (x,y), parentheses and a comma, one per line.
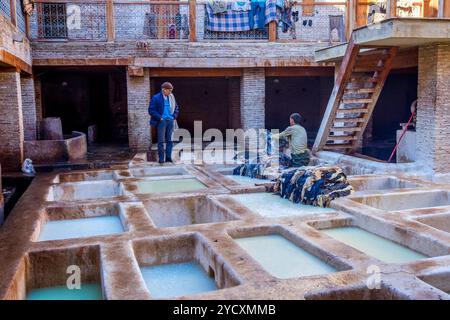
(247,180)
(77,228)
(282,258)
(176,279)
(86,292)
(175,185)
(273,206)
(374,245)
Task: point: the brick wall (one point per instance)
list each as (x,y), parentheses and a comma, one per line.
(28,107)
(21,48)
(11,121)
(138,95)
(253,89)
(433,109)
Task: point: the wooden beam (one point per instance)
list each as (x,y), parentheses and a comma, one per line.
(15,62)
(248,62)
(83,62)
(272,31)
(195,72)
(13,12)
(110,21)
(300,72)
(192,21)
(134,71)
(391,8)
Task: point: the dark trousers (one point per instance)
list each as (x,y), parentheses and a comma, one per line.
(301,159)
(164,132)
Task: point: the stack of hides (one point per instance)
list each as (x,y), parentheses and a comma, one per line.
(316,186)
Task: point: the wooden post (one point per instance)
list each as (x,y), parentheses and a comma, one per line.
(440,14)
(110,21)
(391,9)
(13,12)
(192,21)
(273,31)
(27,25)
(446,9)
(350,17)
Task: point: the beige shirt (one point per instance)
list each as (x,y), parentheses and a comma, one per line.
(298,139)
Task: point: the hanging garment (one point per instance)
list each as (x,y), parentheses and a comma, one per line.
(258,10)
(218,6)
(241,5)
(229,21)
(150,28)
(300,159)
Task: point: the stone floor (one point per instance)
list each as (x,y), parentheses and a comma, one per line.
(202,224)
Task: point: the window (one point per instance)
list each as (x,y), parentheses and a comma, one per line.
(52,21)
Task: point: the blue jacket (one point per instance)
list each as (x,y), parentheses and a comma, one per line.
(156,109)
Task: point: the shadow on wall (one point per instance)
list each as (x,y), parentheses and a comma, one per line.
(305,95)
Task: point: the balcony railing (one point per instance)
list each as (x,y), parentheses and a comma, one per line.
(186,20)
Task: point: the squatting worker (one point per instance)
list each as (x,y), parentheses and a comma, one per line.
(298,141)
(163,110)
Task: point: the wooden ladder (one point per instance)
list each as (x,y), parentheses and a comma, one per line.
(358,85)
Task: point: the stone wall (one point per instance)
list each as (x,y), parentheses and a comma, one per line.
(11,121)
(433,107)
(138,94)
(253,84)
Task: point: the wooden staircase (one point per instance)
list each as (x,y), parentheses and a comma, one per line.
(356,90)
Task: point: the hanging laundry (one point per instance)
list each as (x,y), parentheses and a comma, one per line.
(257,12)
(218,6)
(272,11)
(185,25)
(316,186)
(241,5)
(150,28)
(230,21)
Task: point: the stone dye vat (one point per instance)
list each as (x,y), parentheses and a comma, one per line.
(79,221)
(79,228)
(84,190)
(273,206)
(169,185)
(366,183)
(437,221)
(181,266)
(44,275)
(246,180)
(374,245)
(177,279)
(406,200)
(86,176)
(180,211)
(163,171)
(282,258)
(86,292)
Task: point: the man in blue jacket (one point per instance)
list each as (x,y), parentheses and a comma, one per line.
(163,110)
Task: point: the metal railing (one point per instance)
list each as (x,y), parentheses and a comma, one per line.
(5,8)
(69,21)
(185,20)
(151,20)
